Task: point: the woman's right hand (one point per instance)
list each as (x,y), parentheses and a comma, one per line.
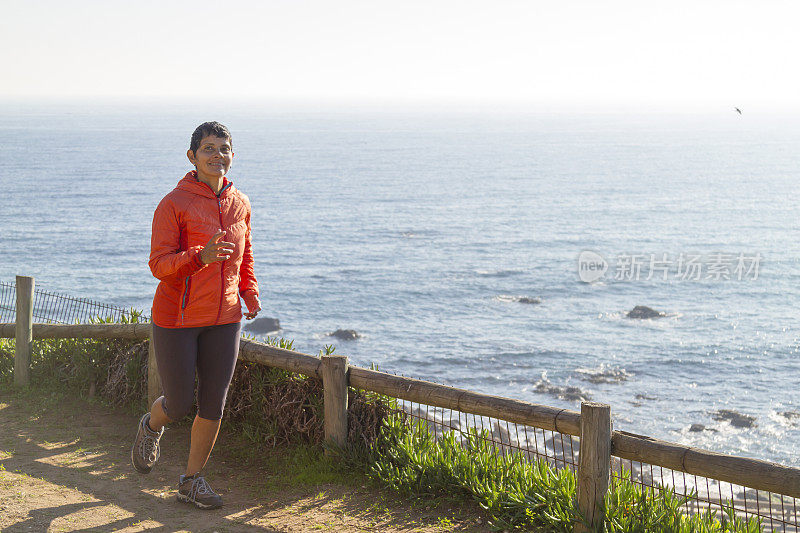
(216,249)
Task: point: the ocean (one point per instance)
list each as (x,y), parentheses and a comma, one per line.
(433,234)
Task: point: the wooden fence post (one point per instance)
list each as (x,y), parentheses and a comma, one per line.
(334,382)
(153,379)
(24,331)
(594,464)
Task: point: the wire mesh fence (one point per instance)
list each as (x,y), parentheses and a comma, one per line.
(776,512)
(8,302)
(559,450)
(62,309)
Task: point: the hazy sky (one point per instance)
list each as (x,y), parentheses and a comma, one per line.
(671,54)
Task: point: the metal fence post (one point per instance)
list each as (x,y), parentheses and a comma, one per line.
(334,382)
(594,466)
(153,379)
(24,331)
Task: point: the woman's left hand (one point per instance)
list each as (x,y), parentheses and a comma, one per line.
(251,316)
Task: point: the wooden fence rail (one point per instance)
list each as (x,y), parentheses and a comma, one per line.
(598,441)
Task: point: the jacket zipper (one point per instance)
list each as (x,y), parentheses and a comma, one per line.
(222,263)
(185,296)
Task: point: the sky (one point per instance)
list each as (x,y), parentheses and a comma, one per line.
(671,55)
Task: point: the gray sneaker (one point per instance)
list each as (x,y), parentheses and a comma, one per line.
(146,451)
(194,489)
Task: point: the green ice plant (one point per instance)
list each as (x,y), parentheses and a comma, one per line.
(515,493)
(519,494)
(6,360)
(630,508)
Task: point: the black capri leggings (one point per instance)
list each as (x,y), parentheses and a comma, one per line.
(212,350)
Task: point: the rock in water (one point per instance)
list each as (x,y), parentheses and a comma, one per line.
(697,428)
(644,312)
(737,420)
(526,300)
(345,334)
(263,325)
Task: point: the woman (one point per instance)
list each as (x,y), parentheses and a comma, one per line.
(200,250)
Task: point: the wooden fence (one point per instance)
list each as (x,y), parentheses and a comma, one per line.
(598,442)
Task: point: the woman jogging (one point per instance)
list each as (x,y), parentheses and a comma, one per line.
(200,251)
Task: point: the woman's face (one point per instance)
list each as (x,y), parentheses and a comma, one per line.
(213,157)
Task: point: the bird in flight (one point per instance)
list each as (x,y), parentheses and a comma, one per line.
(738,110)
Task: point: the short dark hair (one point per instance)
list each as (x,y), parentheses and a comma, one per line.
(208,128)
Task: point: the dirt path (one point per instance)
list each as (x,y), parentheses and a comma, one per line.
(65,466)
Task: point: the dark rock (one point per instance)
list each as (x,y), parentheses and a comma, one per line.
(263,325)
(754,495)
(574,394)
(697,428)
(737,420)
(641,396)
(644,312)
(526,300)
(345,334)
(790,415)
(564,393)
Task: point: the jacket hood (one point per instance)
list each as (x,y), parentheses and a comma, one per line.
(191,184)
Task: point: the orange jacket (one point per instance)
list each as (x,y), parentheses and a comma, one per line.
(191,293)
